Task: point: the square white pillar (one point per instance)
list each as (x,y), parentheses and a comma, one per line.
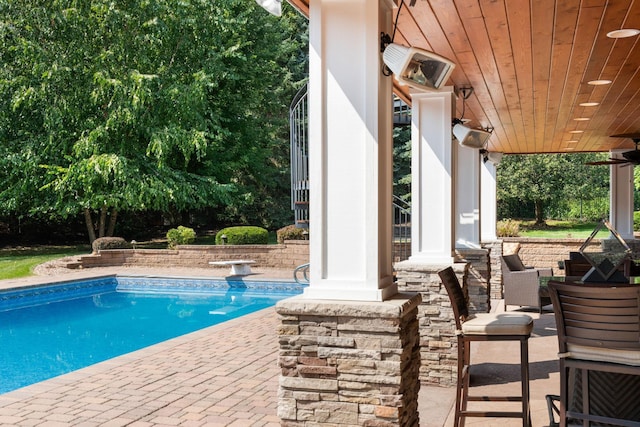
(621,197)
(432,177)
(488,202)
(350,152)
(467,191)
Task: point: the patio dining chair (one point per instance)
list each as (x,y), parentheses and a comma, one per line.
(599,352)
(486,327)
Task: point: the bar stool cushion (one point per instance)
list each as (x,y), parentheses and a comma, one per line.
(597,354)
(498,324)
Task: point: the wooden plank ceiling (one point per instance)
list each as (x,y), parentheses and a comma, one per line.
(529,63)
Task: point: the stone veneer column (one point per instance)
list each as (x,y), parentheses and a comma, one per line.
(478,278)
(438,344)
(495,267)
(349,363)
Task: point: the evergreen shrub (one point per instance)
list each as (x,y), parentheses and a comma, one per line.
(243,235)
(104,243)
(180,236)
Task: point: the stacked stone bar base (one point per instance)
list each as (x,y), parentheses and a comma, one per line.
(349,363)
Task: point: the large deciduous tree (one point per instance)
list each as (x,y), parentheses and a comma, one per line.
(545,179)
(142,105)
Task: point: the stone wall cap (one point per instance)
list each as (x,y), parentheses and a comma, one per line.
(396,306)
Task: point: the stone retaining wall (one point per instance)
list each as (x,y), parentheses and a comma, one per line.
(284,256)
(543,252)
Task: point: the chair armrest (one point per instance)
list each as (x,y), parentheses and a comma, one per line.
(521,277)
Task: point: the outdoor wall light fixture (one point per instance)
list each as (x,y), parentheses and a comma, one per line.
(412,66)
(274,7)
(491,156)
(467,137)
(417,68)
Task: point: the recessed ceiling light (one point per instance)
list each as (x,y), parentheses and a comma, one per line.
(576,131)
(599,82)
(622,33)
(581,119)
(589,104)
(572,141)
(569,148)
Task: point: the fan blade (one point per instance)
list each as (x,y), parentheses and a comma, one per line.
(608,162)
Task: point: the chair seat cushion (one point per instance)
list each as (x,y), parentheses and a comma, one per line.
(498,324)
(597,354)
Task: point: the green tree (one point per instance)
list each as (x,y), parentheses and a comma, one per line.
(541,180)
(143,105)
(402,162)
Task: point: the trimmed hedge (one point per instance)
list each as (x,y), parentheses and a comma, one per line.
(104,243)
(245,235)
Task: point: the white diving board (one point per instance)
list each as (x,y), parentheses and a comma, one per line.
(239,267)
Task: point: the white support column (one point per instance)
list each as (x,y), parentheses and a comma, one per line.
(621,197)
(350,152)
(488,202)
(433,175)
(467,191)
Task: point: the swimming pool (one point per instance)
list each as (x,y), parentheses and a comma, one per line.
(47,331)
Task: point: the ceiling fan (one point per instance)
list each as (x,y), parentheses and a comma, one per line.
(631,157)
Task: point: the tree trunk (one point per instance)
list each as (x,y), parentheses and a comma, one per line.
(539,206)
(112,222)
(103,220)
(89,222)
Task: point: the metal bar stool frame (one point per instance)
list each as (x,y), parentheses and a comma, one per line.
(486,331)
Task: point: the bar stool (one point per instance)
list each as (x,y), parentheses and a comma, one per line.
(486,327)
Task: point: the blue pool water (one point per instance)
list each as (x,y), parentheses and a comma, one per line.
(52,330)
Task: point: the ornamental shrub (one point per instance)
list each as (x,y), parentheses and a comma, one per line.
(291,232)
(508,228)
(636,221)
(180,236)
(245,235)
(104,243)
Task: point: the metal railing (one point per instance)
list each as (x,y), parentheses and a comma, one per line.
(401,229)
(304,270)
(298,128)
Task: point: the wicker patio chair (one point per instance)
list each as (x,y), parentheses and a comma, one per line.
(486,327)
(599,351)
(521,284)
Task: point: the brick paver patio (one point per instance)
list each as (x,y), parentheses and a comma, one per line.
(226,375)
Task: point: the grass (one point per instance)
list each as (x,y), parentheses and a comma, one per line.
(16,263)
(560,230)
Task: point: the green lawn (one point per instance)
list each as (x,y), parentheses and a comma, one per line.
(560,230)
(20,263)
(16,263)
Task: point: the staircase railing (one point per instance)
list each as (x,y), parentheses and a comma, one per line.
(298,128)
(401,229)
